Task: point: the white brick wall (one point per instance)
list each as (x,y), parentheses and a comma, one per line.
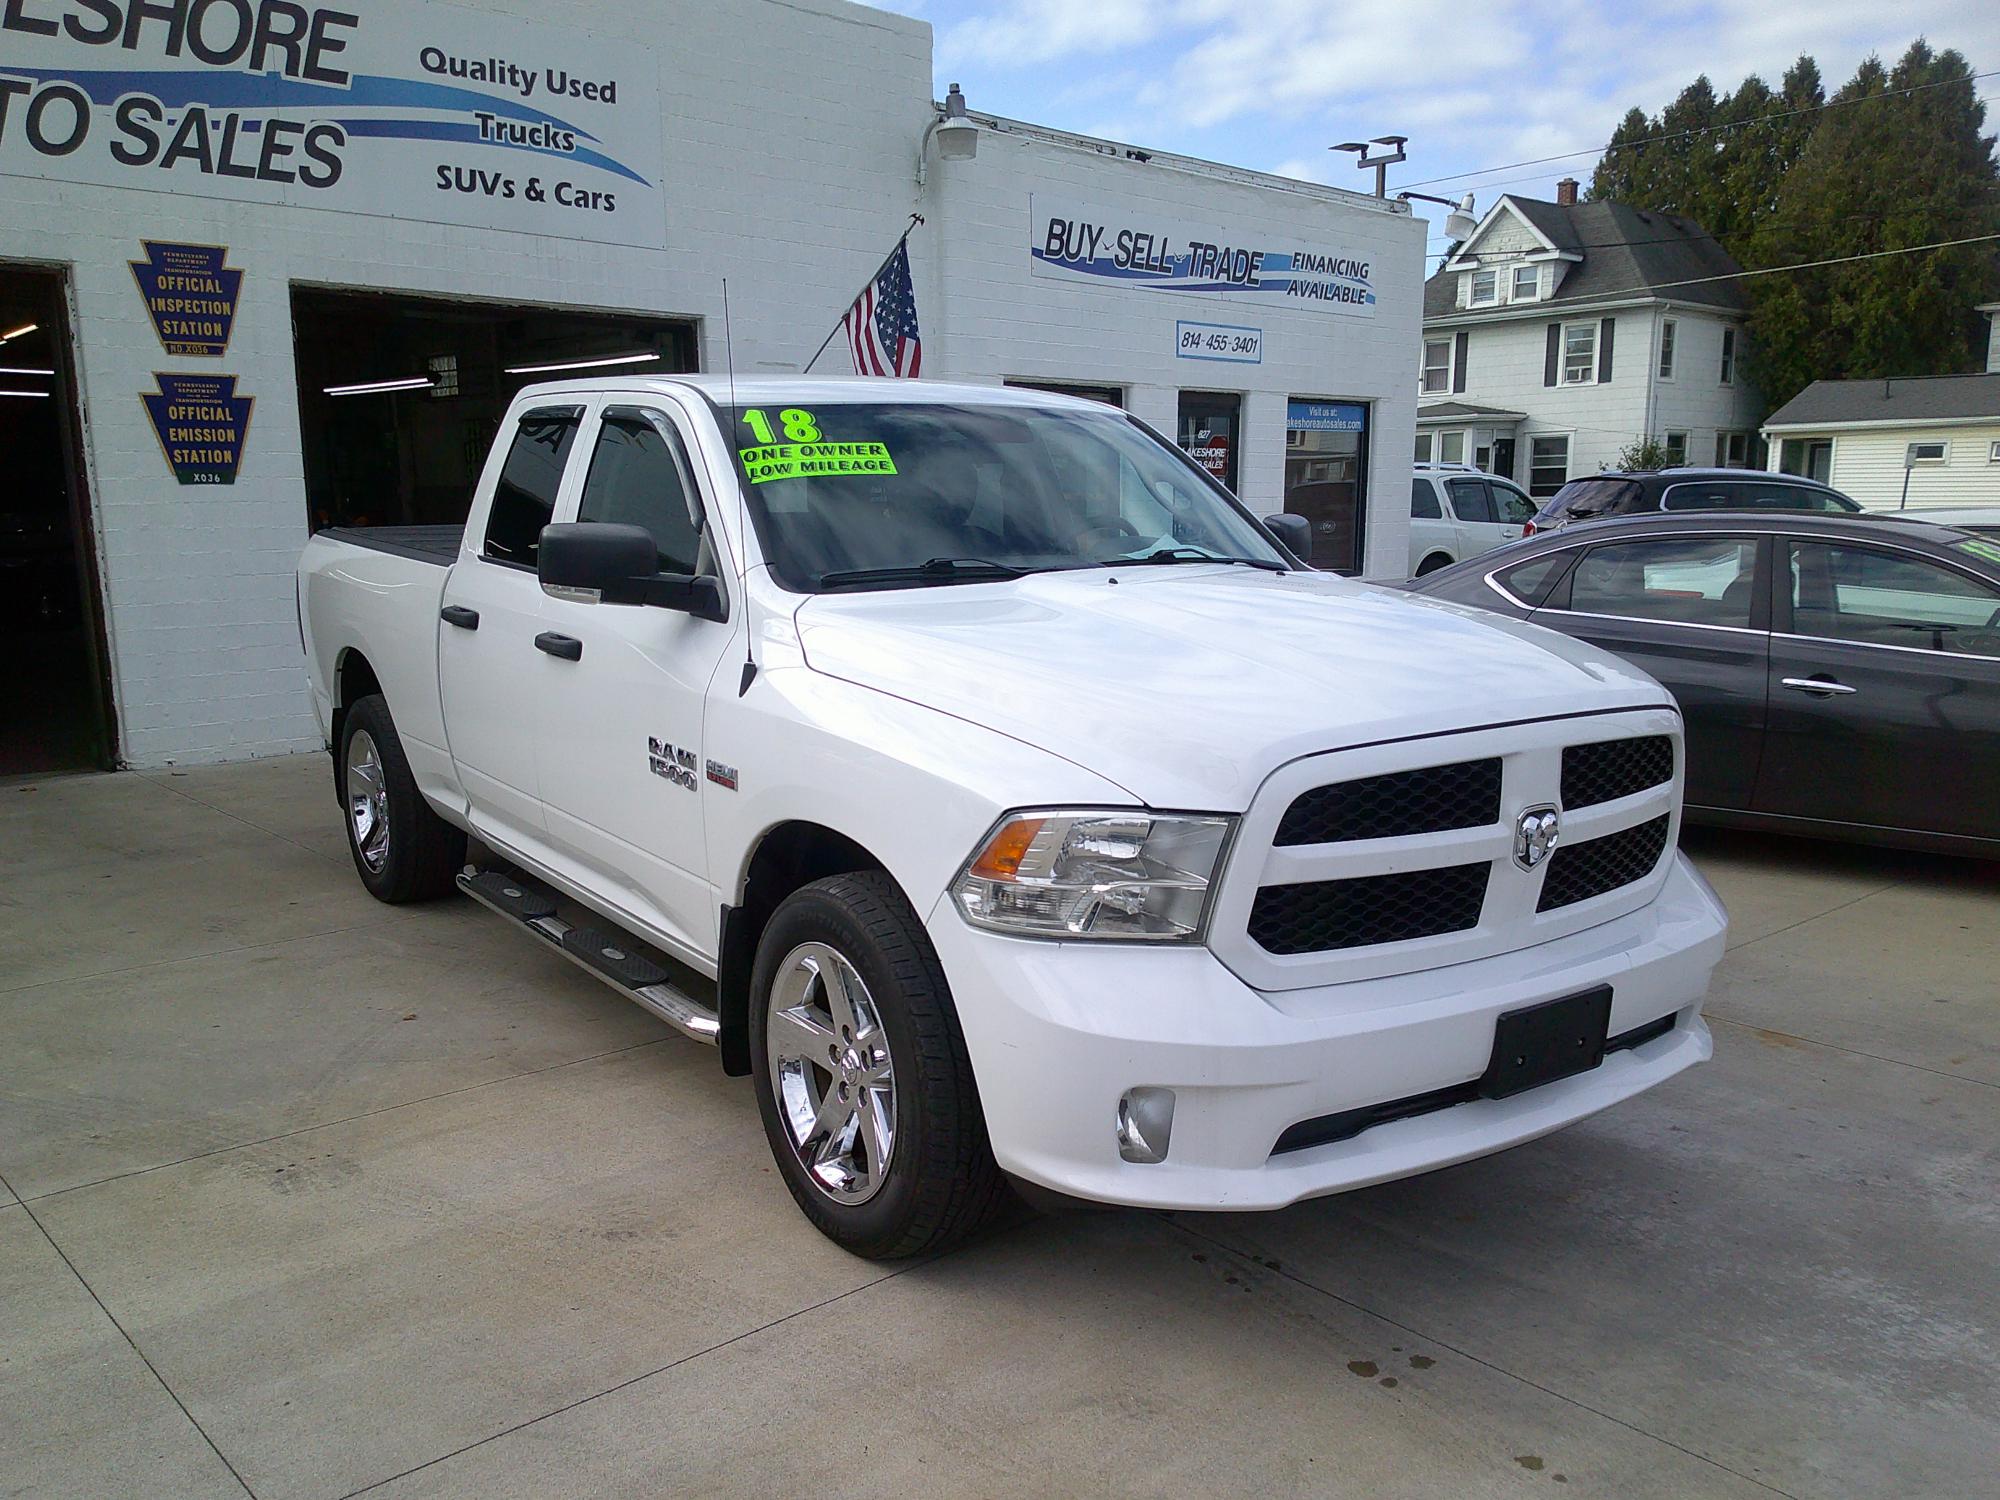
(790,138)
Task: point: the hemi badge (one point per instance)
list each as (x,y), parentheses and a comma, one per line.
(723,776)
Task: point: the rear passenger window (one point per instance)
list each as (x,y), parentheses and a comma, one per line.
(1471,499)
(636,479)
(1692,581)
(1531,581)
(525,499)
(1424,501)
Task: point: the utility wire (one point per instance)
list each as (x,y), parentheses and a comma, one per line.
(1675,135)
(1560,305)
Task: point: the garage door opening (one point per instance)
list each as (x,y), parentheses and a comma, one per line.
(399,397)
(54,704)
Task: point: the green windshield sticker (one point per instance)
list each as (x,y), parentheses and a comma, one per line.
(811,460)
(1988,550)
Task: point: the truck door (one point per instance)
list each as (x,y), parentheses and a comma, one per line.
(624,774)
(489,671)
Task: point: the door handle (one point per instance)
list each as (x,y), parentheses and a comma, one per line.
(459,615)
(568,647)
(1819,687)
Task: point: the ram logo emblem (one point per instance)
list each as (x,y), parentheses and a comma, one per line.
(1536,835)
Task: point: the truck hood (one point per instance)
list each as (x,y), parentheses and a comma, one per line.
(1188,685)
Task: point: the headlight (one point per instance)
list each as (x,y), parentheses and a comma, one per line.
(1073,873)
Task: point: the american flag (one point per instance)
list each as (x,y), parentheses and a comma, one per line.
(882,324)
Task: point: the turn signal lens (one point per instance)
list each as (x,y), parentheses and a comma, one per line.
(1118,874)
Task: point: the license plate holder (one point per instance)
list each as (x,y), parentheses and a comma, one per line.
(1543,1043)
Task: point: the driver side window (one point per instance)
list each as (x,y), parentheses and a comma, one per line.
(637,478)
(1891,599)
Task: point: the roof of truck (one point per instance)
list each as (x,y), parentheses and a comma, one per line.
(810,390)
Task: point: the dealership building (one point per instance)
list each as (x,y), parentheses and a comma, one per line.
(267,266)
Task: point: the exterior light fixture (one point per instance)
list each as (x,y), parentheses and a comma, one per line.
(1381,162)
(957,135)
(584,364)
(1460,222)
(375,387)
(19,370)
(27,395)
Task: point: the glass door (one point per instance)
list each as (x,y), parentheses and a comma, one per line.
(1326,469)
(1211,430)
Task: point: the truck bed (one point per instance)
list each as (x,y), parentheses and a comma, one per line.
(437,545)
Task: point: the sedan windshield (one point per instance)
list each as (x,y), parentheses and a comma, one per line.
(890,495)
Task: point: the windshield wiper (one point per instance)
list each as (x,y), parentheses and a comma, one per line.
(1192,555)
(935,570)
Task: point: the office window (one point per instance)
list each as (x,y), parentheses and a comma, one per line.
(1669,336)
(1927,453)
(1527,283)
(1676,445)
(1437,365)
(1579,353)
(1729,356)
(1485,288)
(1451,447)
(1423,447)
(1548,465)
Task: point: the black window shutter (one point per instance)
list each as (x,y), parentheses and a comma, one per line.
(1458,362)
(1604,332)
(1549,365)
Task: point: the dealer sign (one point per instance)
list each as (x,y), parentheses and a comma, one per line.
(414,111)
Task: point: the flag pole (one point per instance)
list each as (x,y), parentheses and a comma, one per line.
(915,220)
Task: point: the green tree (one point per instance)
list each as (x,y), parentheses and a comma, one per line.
(1896,158)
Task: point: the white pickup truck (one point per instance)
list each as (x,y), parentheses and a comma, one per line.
(986,782)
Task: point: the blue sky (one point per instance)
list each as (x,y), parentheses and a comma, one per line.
(1271,83)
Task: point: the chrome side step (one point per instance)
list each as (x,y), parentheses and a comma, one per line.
(603,955)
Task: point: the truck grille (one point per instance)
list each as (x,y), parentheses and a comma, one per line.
(1401,855)
(1579,871)
(1431,800)
(1325,915)
(1609,769)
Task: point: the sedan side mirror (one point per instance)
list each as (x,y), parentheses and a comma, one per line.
(1295,532)
(603,562)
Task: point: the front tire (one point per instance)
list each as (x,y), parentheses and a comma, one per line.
(402,850)
(863,1081)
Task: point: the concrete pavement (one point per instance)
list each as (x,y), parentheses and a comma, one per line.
(302,1196)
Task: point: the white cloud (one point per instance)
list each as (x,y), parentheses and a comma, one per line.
(1030,31)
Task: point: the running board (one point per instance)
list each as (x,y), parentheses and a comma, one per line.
(606,956)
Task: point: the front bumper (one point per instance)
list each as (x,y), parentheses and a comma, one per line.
(1059,1031)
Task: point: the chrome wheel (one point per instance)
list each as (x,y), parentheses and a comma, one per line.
(831,1073)
(367,800)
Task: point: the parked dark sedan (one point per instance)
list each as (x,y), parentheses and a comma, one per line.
(1839,674)
(1619,493)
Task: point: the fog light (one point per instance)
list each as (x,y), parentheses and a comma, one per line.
(1145,1124)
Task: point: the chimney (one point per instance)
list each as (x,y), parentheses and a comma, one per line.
(1566,192)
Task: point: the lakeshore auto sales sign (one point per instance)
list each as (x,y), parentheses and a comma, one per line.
(1123,247)
(402,108)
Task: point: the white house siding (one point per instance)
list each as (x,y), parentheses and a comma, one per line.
(1696,401)
(1868,463)
(789,135)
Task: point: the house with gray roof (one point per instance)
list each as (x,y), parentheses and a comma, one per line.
(1558,333)
(1929,440)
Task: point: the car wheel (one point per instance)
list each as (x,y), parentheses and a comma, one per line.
(402,850)
(1432,563)
(862,1077)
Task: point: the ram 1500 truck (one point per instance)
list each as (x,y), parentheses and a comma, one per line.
(1006,800)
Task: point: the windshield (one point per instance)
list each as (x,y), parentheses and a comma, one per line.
(889,495)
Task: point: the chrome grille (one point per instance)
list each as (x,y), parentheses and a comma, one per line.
(1430,800)
(1326,915)
(1578,872)
(1606,770)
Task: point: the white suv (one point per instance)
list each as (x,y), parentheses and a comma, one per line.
(1457,511)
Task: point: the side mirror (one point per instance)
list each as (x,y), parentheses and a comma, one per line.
(602,562)
(1295,532)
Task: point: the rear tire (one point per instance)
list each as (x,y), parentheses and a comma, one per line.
(402,850)
(863,1081)
(1432,563)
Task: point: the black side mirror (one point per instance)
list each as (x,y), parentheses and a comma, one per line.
(602,562)
(1295,532)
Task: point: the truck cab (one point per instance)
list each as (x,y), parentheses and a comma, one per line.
(983,780)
